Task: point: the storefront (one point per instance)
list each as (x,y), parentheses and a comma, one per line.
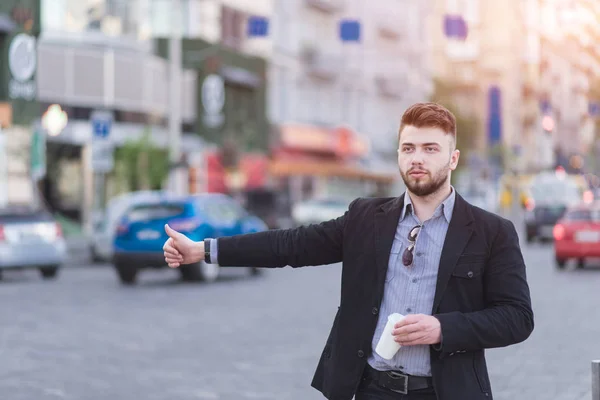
(309,161)
(19,30)
(231,93)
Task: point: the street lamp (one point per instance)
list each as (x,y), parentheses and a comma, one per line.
(54,120)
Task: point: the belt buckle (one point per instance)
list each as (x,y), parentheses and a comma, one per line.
(396,375)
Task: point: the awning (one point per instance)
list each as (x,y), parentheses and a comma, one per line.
(326,169)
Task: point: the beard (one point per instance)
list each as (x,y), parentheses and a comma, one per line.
(428,183)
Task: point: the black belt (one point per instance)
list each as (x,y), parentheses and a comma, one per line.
(396,381)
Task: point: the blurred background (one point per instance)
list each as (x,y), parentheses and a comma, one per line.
(295,99)
(117,116)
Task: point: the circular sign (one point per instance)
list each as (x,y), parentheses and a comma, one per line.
(22,57)
(213,94)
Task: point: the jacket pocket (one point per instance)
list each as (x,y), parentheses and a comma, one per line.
(467,270)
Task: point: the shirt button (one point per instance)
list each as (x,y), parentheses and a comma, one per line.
(470,274)
(361,353)
(375,311)
(408,309)
(414,280)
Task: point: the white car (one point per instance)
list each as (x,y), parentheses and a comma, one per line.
(315,211)
(105,224)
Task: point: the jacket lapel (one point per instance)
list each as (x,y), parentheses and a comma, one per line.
(386,222)
(458,235)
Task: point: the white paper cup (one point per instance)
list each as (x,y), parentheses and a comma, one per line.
(387,347)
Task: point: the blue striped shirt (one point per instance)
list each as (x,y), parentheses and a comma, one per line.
(410,290)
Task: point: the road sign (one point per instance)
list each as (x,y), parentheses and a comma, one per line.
(102,156)
(102,146)
(494,119)
(213,100)
(350,31)
(258,26)
(101,124)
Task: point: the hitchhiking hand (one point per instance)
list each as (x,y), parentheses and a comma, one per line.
(180,250)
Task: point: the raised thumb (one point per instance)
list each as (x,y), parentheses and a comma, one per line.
(171,232)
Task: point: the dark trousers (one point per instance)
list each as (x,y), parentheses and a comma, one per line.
(369,390)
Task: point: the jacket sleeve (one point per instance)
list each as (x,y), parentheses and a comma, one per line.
(317,244)
(508,316)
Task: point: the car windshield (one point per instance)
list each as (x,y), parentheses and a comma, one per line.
(222,210)
(329,202)
(148,212)
(562,192)
(583,215)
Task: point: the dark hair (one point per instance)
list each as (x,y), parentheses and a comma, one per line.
(429,115)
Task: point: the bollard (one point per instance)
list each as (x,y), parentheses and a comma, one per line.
(596,380)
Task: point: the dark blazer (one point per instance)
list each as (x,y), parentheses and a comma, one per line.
(482,298)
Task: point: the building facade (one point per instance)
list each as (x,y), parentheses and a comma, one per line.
(64,62)
(523,69)
(363,85)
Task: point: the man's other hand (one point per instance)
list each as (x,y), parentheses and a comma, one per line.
(415,329)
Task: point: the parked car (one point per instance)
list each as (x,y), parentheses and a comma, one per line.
(105,224)
(577,235)
(140,235)
(31,238)
(318,210)
(547,202)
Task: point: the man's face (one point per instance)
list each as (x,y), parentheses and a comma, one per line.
(425,157)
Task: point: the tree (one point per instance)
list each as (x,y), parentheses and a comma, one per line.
(141,165)
(467,127)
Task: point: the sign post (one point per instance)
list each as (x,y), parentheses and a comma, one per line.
(38,155)
(102,160)
(3,171)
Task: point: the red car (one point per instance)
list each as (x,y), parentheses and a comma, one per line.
(577,235)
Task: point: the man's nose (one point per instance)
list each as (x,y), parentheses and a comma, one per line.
(417,157)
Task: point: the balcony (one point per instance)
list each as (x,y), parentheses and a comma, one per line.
(320,64)
(109,75)
(326,6)
(389,28)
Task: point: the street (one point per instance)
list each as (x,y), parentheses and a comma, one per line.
(86,337)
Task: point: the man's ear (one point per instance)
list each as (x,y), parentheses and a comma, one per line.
(454,159)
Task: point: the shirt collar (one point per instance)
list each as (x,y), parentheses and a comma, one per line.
(446,207)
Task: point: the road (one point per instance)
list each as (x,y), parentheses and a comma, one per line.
(85,337)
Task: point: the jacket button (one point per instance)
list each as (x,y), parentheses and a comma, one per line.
(470,274)
(361,353)
(375,311)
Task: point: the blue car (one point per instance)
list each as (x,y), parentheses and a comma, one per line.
(140,235)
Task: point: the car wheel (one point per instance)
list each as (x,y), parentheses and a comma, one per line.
(255,271)
(49,272)
(560,263)
(530,238)
(190,272)
(94,255)
(127,273)
(200,271)
(581,263)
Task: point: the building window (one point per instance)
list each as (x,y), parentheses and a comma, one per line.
(232,27)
